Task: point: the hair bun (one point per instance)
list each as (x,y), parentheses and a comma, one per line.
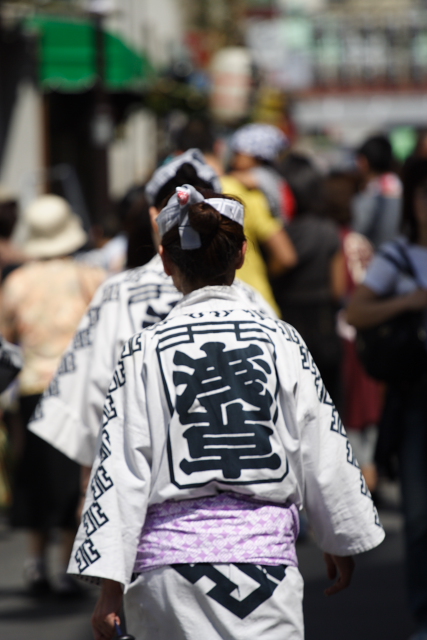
(204,218)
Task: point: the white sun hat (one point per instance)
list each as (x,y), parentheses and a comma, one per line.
(53,228)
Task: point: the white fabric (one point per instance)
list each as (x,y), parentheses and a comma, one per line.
(69,415)
(175,213)
(163,604)
(167,171)
(219,397)
(111,257)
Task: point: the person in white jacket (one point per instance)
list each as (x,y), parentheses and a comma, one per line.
(217,429)
(69,415)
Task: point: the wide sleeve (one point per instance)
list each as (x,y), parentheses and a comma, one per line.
(69,415)
(117,495)
(339,505)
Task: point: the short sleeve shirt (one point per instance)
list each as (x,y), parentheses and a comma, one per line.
(260,226)
(41,307)
(384,276)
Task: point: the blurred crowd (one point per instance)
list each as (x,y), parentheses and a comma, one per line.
(333,253)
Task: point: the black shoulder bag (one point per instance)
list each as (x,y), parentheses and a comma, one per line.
(394,351)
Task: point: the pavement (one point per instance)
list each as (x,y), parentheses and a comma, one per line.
(373,608)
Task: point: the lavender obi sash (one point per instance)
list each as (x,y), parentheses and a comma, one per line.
(224,528)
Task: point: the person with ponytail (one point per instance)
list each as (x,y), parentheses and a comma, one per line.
(69,416)
(217,429)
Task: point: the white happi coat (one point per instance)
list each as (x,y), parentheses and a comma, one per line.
(69,415)
(219,397)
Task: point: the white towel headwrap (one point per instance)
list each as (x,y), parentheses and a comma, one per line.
(176,213)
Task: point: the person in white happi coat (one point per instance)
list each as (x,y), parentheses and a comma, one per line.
(69,415)
(217,429)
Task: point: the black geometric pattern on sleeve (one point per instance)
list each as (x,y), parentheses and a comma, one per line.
(101,482)
(111,293)
(82,339)
(86,555)
(93,519)
(336,423)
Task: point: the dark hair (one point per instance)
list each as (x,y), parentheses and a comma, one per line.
(222,240)
(196,134)
(133,212)
(414,175)
(186,174)
(339,189)
(378,152)
(305,181)
(8,218)
(138,229)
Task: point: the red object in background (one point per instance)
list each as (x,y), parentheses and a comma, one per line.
(363,396)
(288,202)
(199,45)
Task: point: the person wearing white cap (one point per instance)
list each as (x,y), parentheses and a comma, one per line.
(270,250)
(217,428)
(42,304)
(256,148)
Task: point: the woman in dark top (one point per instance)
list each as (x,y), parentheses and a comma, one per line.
(308,294)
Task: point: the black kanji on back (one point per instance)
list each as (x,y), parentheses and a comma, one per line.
(225,400)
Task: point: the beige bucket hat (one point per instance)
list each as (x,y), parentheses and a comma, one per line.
(53,229)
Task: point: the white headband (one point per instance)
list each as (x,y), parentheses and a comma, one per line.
(176,213)
(167,171)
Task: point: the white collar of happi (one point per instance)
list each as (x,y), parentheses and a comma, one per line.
(221,295)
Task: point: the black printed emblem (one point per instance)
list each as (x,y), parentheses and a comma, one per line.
(267,577)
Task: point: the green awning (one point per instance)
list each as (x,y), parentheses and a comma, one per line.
(67,56)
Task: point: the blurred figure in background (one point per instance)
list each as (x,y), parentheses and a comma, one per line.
(41,305)
(376,210)
(389,290)
(270,250)
(10,255)
(198,134)
(137,225)
(421,146)
(256,149)
(362,400)
(308,295)
(110,250)
(124,241)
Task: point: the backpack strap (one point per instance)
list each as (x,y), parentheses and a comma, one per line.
(403,264)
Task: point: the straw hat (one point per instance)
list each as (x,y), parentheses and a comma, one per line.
(53,229)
